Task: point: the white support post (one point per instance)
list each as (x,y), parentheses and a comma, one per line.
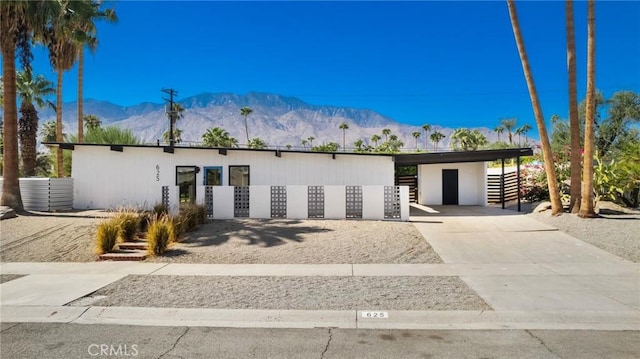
(373,202)
(260,202)
(335,202)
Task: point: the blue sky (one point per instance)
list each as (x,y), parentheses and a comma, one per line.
(453,64)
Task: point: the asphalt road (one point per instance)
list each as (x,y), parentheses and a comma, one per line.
(47,340)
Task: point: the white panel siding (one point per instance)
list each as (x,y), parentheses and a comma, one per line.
(471,183)
(134,177)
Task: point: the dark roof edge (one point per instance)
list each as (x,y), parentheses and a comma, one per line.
(461,156)
(72,145)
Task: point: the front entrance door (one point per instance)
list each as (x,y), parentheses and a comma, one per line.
(450,187)
(186,182)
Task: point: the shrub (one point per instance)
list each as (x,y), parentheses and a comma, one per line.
(160,209)
(107,235)
(179,227)
(159,235)
(129,223)
(144,219)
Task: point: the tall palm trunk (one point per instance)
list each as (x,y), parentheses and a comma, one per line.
(80,97)
(60,169)
(574,123)
(586,205)
(554,194)
(27,133)
(10,176)
(246,129)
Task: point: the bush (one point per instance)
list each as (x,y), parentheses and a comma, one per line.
(144,220)
(160,210)
(107,235)
(129,223)
(159,235)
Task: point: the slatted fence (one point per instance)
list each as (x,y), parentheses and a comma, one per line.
(46,194)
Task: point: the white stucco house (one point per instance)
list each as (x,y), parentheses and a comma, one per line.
(238,182)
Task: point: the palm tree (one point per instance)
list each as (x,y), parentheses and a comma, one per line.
(177,135)
(311,138)
(375,139)
(427,129)
(18,21)
(87,36)
(386,132)
(257,143)
(416,135)
(245,112)
(218,137)
(574,121)
(176,113)
(344,127)
(436,137)
(554,194)
(91,122)
(522,130)
(304,143)
(358,144)
(586,200)
(499,130)
(509,125)
(48,131)
(30,90)
(62,55)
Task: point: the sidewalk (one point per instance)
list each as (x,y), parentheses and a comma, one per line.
(533,276)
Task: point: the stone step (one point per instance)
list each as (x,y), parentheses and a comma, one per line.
(134,245)
(124,255)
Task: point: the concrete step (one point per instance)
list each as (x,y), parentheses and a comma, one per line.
(141,245)
(124,255)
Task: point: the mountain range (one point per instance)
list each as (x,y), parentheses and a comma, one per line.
(278,120)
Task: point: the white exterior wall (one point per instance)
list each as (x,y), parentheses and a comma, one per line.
(472,186)
(134,177)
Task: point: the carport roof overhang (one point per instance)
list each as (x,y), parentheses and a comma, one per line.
(460,156)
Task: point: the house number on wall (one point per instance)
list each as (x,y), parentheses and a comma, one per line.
(157,173)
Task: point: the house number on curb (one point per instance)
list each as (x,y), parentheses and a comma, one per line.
(157,173)
(375,315)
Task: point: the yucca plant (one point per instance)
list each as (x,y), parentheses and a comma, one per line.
(107,235)
(159,235)
(129,222)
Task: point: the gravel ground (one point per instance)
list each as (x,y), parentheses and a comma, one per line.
(305,293)
(302,241)
(49,237)
(617,234)
(7,277)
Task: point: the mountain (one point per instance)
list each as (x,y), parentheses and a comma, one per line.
(278,120)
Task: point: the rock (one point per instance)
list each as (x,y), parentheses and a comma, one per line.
(607,207)
(543,206)
(6,212)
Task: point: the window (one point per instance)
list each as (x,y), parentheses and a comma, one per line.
(238,175)
(212,176)
(186,181)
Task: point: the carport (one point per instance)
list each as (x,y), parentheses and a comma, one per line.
(474,182)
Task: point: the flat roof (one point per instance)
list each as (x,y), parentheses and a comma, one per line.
(400,159)
(409,159)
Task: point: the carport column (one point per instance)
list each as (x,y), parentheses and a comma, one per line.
(518,175)
(502,185)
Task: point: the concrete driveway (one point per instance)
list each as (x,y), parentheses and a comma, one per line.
(544,269)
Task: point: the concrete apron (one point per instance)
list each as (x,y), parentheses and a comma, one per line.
(578,277)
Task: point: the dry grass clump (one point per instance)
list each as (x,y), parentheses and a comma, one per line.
(129,222)
(107,235)
(159,234)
